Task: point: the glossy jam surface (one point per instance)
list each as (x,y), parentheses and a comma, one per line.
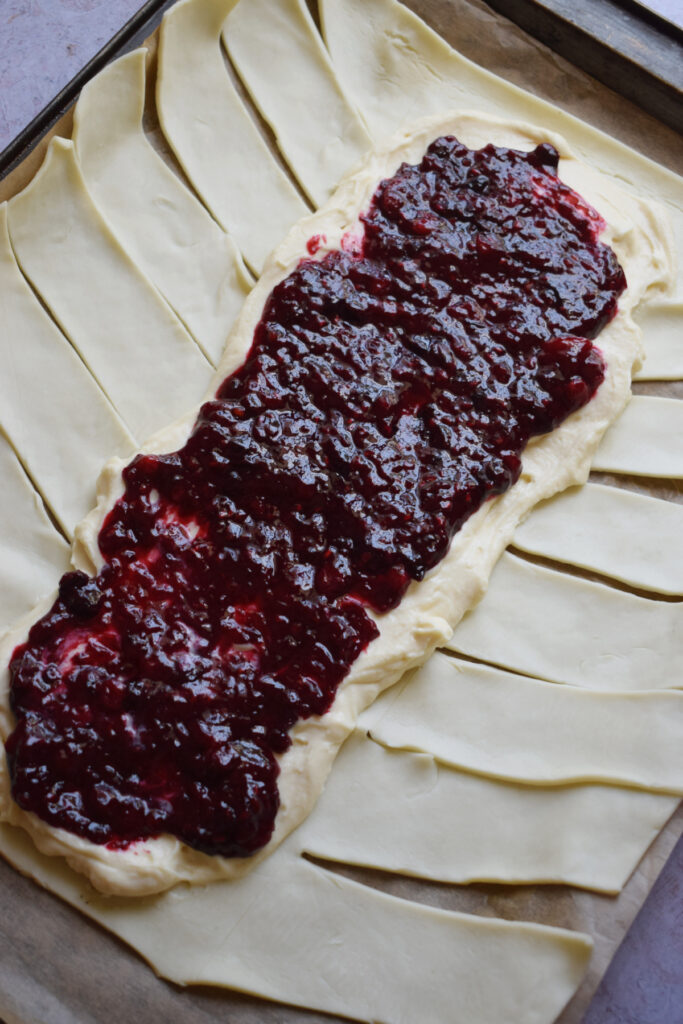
(390,390)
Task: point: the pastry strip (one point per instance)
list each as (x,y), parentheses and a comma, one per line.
(513,727)
(405,812)
(661,321)
(32,553)
(629,537)
(395,68)
(59,421)
(295,89)
(161,224)
(300,934)
(645,440)
(568,630)
(136,348)
(214,138)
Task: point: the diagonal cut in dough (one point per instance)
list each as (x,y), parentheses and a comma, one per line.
(59,421)
(317,129)
(213,136)
(395,68)
(297,933)
(32,553)
(406,813)
(629,537)
(568,630)
(134,345)
(161,224)
(645,440)
(513,727)
(661,321)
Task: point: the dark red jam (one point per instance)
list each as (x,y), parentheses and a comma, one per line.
(390,389)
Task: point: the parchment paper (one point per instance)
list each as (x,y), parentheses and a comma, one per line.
(58,968)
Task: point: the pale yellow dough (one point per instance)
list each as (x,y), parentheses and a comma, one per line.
(646,439)
(629,537)
(134,345)
(554,626)
(507,726)
(215,140)
(60,421)
(431,608)
(407,813)
(317,129)
(32,553)
(163,226)
(297,933)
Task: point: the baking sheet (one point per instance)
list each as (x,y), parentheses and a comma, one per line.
(56,967)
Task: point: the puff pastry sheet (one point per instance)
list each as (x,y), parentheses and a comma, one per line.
(629,537)
(59,420)
(513,727)
(211,133)
(317,129)
(554,626)
(297,933)
(133,343)
(162,225)
(645,440)
(407,813)
(32,553)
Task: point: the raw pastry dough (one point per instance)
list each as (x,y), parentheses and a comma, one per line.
(430,609)
(214,138)
(136,348)
(627,536)
(164,228)
(512,727)
(62,425)
(554,626)
(646,440)
(406,813)
(300,934)
(32,553)
(661,322)
(317,130)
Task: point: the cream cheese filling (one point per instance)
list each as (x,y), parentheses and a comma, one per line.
(430,609)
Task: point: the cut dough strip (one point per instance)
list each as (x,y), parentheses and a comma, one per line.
(32,553)
(507,726)
(318,131)
(568,630)
(214,138)
(661,321)
(630,537)
(164,228)
(438,965)
(645,440)
(59,421)
(136,348)
(404,812)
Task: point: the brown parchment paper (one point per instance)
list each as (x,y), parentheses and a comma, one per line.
(56,967)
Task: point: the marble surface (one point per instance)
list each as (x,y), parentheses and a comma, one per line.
(43,45)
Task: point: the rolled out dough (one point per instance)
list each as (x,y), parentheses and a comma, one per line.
(133,343)
(162,225)
(57,417)
(317,129)
(625,536)
(554,626)
(507,726)
(645,440)
(407,813)
(211,133)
